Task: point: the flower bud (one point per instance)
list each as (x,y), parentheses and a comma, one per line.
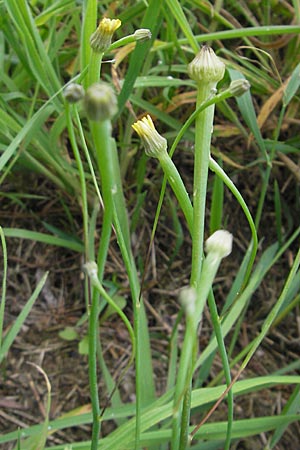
(101,39)
(206,67)
(153,142)
(187,298)
(91,269)
(239,87)
(143,34)
(100,102)
(73,93)
(219,244)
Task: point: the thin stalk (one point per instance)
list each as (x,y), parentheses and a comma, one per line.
(183,382)
(87,155)
(177,186)
(4,282)
(185,419)
(89,14)
(93,337)
(84,203)
(141,338)
(214,166)
(93,319)
(94,310)
(225,363)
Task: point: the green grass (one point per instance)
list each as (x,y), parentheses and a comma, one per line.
(45,46)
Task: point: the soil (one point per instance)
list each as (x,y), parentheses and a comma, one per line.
(61,304)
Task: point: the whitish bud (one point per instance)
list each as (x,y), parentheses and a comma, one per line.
(91,269)
(187,298)
(239,87)
(206,67)
(101,39)
(100,102)
(153,142)
(73,93)
(219,244)
(143,34)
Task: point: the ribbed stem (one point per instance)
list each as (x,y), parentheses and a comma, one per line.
(203,132)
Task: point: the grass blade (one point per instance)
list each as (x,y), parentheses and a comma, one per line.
(13,332)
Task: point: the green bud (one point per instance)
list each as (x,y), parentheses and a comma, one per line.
(101,39)
(100,102)
(239,87)
(73,93)
(143,34)
(206,67)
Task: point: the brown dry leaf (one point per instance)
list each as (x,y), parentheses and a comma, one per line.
(294,168)
(271,104)
(122,53)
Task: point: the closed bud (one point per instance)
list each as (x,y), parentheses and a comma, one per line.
(100,102)
(143,34)
(206,67)
(91,270)
(219,244)
(187,298)
(101,39)
(73,93)
(239,87)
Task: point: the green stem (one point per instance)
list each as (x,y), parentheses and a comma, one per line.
(94,68)
(113,198)
(203,132)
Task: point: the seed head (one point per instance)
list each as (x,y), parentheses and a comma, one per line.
(153,142)
(206,67)
(100,40)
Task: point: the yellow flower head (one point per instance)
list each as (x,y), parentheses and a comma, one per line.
(101,38)
(153,142)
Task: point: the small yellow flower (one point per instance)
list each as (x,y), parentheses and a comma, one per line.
(153,142)
(101,38)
